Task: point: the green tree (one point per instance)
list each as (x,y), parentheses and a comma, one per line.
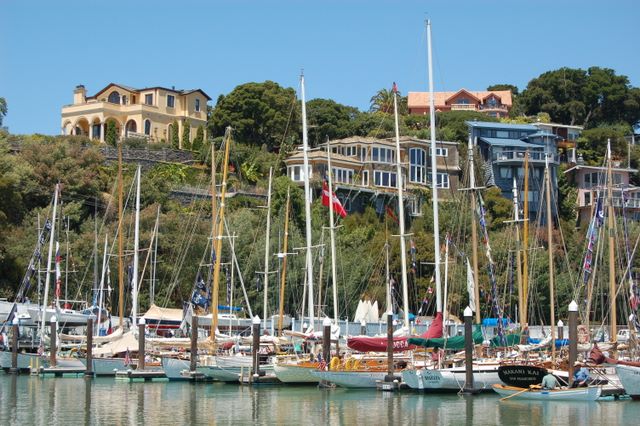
(590,97)
(260,113)
(592,144)
(175,135)
(111,136)
(3,109)
(514,89)
(382,101)
(186,135)
(329,119)
(197,141)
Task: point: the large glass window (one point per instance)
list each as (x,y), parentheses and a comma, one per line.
(342,175)
(417,165)
(114,97)
(386,179)
(197,106)
(171,101)
(296,173)
(382,155)
(147,127)
(442,180)
(148,99)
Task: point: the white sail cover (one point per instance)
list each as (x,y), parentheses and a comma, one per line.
(470,287)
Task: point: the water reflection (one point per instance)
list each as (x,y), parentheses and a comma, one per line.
(32,400)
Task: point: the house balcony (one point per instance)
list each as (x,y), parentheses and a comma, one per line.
(630,203)
(500,108)
(463,107)
(517,157)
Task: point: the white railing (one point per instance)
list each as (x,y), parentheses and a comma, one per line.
(465,107)
(520,155)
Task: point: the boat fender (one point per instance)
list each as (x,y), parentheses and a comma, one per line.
(335,362)
(349,364)
(356,364)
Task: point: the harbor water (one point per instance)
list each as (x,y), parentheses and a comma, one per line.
(27,400)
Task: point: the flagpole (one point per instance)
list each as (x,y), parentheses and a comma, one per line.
(332,230)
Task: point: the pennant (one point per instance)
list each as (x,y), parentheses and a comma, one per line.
(391,214)
(337,205)
(58,272)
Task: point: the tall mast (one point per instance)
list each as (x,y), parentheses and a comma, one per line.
(434,175)
(266,249)
(120,242)
(474,232)
(550,250)
(101,287)
(332,230)
(403,243)
(136,248)
(386,270)
(47,279)
(283,275)
(218,240)
(307,201)
(612,270)
(516,218)
(525,244)
(214,214)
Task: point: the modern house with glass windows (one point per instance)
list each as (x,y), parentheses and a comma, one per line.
(591,182)
(503,148)
(496,103)
(364,170)
(144,113)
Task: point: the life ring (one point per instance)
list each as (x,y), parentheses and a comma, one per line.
(335,362)
(583,334)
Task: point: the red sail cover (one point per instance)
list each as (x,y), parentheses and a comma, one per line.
(400,344)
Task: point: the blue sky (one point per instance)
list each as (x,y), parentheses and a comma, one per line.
(348,49)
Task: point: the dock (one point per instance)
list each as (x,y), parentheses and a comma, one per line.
(141,375)
(61,371)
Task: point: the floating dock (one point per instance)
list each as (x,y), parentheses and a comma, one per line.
(141,376)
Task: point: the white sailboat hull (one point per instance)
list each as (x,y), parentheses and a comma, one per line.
(174,368)
(64,316)
(450,379)
(630,378)
(107,366)
(577,394)
(288,373)
(351,379)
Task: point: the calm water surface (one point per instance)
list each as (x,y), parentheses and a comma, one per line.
(28,400)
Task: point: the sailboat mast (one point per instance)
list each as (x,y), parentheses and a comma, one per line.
(525,244)
(552,295)
(386,270)
(474,232)
(214,214)
(120,242)
(47,279)
(516,218)
(307,201)
(403,243)
(332,230)
(283,275)
(136,248)
(434,175)
(101,287)
(218,241)
(266,249)
(612,267)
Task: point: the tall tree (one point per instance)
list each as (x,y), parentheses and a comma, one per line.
(186,135)
(382,101)
(175,135)
(514,89)
(260,113)
(3,109)
(111,136)
(196,145)
(329,119)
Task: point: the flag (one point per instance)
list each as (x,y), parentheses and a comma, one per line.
(58,273)
(391,214)
(127,358)
(470,287)
(337,205)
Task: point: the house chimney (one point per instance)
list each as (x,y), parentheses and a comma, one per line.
(79,95)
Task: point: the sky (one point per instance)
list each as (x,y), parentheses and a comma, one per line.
(348,49)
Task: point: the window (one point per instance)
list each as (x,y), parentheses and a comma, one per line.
(114,97)
(442,180)
(148,99)
(506,173)
(502,134)
(492,102)
(365,178)
(386,179)
(382,155)
(296,173)
(171,101)
(147,127)
(587,198)
(342,175)
(417,165)
(617,178)
(124,99)
(197,105)
(415,207)
(463,101)
(350,151)
(442,152)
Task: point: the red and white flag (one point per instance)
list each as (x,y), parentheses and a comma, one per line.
(58,273)
(337,205)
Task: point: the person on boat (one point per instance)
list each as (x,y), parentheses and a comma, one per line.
(580,376)
(549,381)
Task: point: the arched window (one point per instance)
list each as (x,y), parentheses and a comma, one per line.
(417,163)
(147,127)
(114,97)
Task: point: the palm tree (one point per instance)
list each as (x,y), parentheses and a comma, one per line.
(383,102)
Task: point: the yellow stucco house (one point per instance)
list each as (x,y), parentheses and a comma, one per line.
(148,113)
